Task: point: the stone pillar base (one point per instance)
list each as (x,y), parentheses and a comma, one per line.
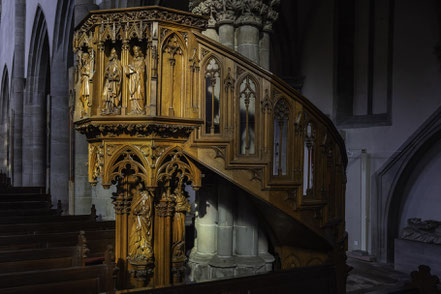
(206,268)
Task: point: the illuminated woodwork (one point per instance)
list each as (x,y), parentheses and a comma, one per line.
(157,100)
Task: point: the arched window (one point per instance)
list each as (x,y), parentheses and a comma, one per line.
(212,96)
(308,161)
(247,108)
(281,117)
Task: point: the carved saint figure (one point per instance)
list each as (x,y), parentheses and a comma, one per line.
(86,74)
(140,243)
(112,85)
(135,72)
(182,206)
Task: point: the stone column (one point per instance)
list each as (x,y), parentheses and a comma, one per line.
(269,16)
(18,90)
(223,264)
(38,129)
(248,40)
(82,8)
(263,251)
(264,50)
(246,233)
(206,231)
(226,27)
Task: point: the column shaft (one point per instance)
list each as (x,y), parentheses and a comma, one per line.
(264,50)
(18,89)
(248,42)
(226,34)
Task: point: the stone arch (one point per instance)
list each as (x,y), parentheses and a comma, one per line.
(5,131)
(35,124)
(391,179)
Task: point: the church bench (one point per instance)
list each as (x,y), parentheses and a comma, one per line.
(60,280)
(33,228)
(7,197)
(46,240)
(18,190)
(86,286)
(44,218)
(28,212)
(34,204)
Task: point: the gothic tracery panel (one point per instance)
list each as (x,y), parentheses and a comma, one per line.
(247,116)
(212,96)
(280,140)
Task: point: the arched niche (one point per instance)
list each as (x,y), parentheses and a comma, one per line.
(393,179)
(173,89)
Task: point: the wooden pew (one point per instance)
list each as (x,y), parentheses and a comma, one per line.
(34,228)
(80,253)
(36,259)
(48,240)
(78,279)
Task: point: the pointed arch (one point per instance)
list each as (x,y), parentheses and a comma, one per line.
(63,30)
(212,70)
(173,82)
(125,155)
(281,118)
(5,131)
(35,134)
(174,162)
(248,102)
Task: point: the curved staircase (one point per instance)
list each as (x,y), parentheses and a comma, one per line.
(207,106)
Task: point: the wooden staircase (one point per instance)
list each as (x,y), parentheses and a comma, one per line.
(204,106)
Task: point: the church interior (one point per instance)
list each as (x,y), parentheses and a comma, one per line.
(220,146)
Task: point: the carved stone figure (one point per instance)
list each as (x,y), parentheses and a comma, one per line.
(136,73)
(428,231)
(140,242)
(86,74)
(112,85)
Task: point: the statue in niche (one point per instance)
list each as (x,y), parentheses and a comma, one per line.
(182,206)
(428,231)
(140,242)
(112,85)
(135,72)
(86,75)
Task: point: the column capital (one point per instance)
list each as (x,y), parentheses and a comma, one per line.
(259,13)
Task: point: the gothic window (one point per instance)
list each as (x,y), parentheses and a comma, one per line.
(212,97)
(281,117)
(247,117)
(308,161)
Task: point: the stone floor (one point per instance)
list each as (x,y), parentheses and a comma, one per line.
(373,277)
